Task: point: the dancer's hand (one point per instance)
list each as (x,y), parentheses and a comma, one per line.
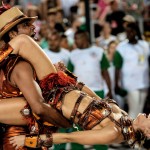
(17,141)
(60,66)
(142,122)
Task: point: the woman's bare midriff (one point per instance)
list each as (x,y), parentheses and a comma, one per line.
(69,103)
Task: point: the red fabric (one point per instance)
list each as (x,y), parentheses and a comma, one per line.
(53,85)
(56,79)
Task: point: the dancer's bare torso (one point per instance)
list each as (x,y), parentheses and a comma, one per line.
(70,100)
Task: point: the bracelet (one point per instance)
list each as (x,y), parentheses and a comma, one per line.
(32,140)
(49,140)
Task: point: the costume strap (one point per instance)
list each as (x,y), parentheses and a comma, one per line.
(74,111)
(109,101)
(80,85)
(4,53)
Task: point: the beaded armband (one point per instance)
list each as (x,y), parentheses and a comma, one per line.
(135,139)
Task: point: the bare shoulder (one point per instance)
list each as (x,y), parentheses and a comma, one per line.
(19,40)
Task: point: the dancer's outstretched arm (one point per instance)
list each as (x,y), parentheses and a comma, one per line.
(107,135)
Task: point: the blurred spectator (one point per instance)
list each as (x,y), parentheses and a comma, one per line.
(51,18)
(146,22)
(104,9)
(81,11)
(105,36)
(59,15)
(90,64)
(81,8)
(131,62)
(44,32)
(71,31)
(133,8)
(126,20)
(115,18)
(48,4)
(55,20)
(66,5)
(54,51)
(26,3)
(60,25)
(64,42)
(11,2)
(110,56)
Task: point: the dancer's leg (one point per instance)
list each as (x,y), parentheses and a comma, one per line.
(10,111)
(31,51)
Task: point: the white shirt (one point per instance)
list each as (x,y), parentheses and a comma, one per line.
(102,42)
(87,67)
(63,55)
(135,65)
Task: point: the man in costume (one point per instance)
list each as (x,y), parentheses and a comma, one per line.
(8,68)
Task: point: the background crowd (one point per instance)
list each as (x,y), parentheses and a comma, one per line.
(113,60)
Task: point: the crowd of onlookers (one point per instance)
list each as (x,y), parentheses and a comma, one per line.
(116,63)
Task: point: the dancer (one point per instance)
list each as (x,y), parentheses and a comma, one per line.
(60,90)
(8,88)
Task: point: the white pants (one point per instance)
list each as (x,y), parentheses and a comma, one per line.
(136,100)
